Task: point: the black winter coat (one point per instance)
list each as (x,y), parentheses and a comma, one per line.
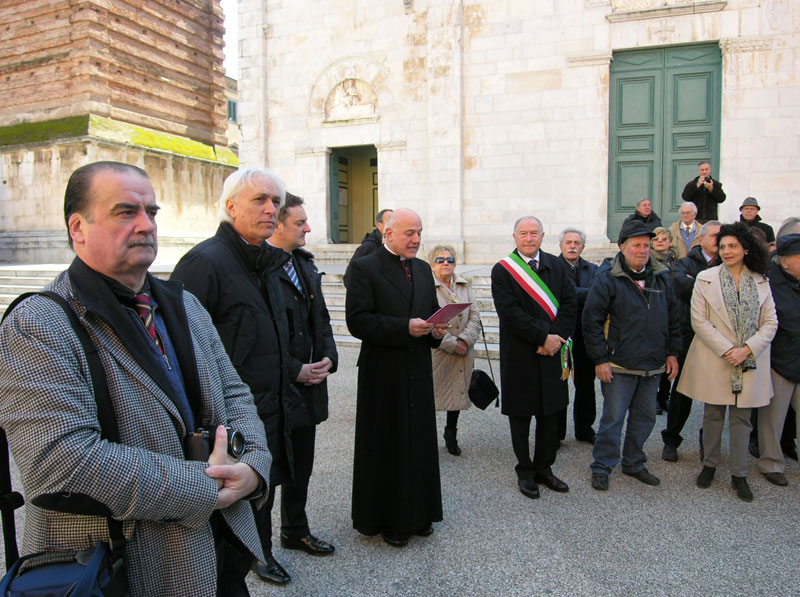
(684,274)
(531,384)
(238,286)
(763,226)
(705,201)
(652,221)
(310,335)
(786,344)
(396,484)
(643,326)
(372,242)
(582,275)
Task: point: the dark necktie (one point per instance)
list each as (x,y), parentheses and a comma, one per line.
(407,269)
(289,267)
(144,307)
(534,263)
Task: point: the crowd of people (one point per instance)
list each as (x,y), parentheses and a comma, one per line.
(239,339)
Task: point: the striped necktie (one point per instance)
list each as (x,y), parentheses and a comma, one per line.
(293,275)
(144,307)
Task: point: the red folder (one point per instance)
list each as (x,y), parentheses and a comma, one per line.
(447,312)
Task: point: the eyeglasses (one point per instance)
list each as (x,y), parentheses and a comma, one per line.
(443,259)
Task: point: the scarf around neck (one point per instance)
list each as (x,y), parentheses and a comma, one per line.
(742,307)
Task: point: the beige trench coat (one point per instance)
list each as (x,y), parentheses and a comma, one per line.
(452,372)
(706,375)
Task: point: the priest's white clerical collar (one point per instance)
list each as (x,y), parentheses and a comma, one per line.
(385,246)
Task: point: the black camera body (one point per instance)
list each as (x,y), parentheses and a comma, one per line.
(708,179)
(200,444)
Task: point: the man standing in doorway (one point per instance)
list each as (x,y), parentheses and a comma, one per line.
(705,192)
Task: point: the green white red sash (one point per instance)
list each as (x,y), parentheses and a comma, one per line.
(531,283)
(536,288)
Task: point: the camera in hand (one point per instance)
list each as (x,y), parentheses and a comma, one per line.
(708,179)
(200,444)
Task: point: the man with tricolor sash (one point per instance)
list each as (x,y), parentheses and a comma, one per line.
(537,307)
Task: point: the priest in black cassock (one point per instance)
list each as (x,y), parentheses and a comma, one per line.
(396,486)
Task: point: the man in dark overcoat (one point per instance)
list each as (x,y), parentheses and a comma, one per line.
(233,273)
(572,242)
(705,192)
(312,357)
(396,486)
(537,306)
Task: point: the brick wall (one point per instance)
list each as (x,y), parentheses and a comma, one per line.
(156,63)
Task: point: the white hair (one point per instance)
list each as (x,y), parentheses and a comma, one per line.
(534,218)
(236,181)
(690,204)
(574,230)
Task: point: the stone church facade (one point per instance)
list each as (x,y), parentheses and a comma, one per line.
(475,113)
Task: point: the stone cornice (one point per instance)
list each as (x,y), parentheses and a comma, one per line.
(602,58)
(732,45)
(666,11)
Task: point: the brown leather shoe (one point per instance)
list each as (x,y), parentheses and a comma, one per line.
(778,479)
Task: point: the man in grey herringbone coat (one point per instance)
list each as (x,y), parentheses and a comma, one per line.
(179,516)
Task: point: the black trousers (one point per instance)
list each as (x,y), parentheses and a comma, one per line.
(294,522)
(233,559)
(680,407)
(583,408)
(545,444)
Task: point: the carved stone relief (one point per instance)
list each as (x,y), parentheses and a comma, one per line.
(349,100)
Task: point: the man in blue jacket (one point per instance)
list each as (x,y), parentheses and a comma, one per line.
(632,333)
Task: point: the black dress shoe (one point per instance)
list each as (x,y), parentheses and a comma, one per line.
(426,532)
(645,477)
(669,453)
(394,540)
(309,544)
(270,571)
(552,482)
(529,488)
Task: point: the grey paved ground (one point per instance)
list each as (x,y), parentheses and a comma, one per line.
(674,539)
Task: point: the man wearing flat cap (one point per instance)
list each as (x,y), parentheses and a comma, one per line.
(784,281)
(631,330)
(749,215)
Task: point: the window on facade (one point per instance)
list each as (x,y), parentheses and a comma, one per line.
(232,111)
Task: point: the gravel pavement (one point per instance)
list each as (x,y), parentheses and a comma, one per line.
(674,539)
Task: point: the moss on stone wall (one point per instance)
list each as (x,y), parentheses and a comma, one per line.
(112,130)
(35,132)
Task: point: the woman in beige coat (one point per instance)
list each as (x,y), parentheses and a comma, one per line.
(728,364)
(452,361)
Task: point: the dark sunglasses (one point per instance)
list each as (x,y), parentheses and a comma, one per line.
(443,259)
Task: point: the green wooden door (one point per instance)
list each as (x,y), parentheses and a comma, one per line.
(664,119)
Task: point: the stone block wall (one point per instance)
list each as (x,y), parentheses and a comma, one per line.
(155,63)
(486,111)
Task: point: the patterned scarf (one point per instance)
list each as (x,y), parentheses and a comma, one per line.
(742,307)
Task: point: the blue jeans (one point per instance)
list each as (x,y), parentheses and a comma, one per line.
(636,396)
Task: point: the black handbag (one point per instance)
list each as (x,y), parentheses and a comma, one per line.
(98,571)
(482,389)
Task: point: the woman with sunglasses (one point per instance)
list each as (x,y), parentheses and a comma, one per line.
(728,365)
(452,361)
